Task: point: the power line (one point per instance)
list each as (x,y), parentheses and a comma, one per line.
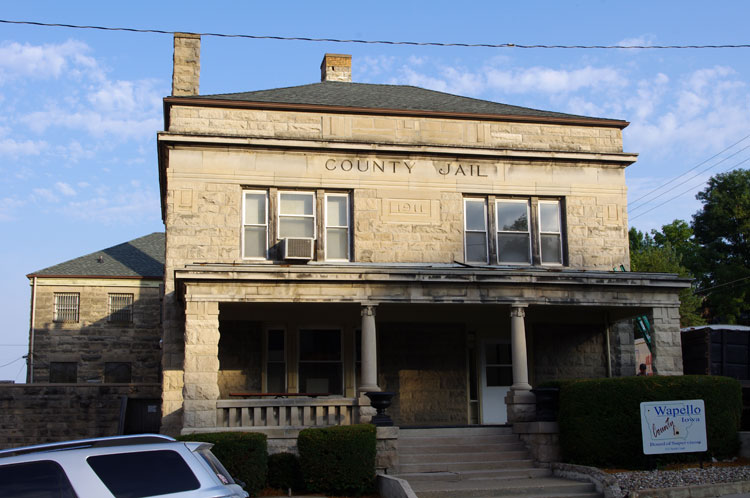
(12,362)
(688,171)
(701,291)
(684,192)
(378,42)
(636,208)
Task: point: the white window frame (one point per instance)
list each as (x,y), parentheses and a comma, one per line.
(280,215)
(339,362)
(347,226)
(498,232)
(558,233)
(124,307)
(466,230)
(245,224)
(63,310)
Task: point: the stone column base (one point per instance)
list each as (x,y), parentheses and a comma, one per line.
(521,406)
(386,460)
(542,438)
(366,411)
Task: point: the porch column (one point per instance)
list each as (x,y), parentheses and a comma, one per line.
(520,401)
(201,386)
(518,348)
(665,335)
(369,351)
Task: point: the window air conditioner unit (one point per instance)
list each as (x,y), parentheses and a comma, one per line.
(299,248)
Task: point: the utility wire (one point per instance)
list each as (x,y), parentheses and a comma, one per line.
(378,42)
(12,362)
(688,171)
(645,203)
(684,192)
(701,291)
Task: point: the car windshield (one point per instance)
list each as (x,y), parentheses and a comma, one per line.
(215,465)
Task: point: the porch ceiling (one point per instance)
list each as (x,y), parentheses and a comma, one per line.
(374,284)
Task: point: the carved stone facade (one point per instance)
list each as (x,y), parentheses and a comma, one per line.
(336,238)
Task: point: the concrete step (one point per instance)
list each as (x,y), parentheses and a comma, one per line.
(405,468)
(512,445)
(476,488)
(484,430)
(516,454)
(477,474)
(436,439)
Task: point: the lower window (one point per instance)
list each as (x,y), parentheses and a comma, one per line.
(320,365)
(63,372)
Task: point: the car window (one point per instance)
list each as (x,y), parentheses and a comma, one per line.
(41,479)
(144,473)
(216,466)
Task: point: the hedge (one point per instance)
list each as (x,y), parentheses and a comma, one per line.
(600,423)
(284,472)
(338,460)
(244,454)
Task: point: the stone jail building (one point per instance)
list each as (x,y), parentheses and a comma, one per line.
(330,239)
(335,238)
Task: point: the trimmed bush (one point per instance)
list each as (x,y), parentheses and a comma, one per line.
(338,460)
(600,418)
(284,472)
(244,454)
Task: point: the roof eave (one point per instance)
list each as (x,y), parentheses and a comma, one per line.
(281,106)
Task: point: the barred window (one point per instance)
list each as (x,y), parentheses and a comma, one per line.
(66,307)
(120,308)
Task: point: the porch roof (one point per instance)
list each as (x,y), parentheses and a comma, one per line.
(410,283)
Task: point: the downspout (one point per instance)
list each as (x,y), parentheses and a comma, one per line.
(30,362)
(609,350)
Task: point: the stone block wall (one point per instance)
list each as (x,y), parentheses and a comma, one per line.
(426,368)
(667,352)
(93,340)
(48,413)
(389,129)
(568,352)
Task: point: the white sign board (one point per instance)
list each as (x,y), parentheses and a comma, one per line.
(673,426)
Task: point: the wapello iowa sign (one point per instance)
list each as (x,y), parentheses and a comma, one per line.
(673,426)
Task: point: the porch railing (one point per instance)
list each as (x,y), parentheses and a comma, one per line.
(286,412)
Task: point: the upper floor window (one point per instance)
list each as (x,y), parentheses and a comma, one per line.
(526,231)
(271,216)
(255,225)
(120,308)
(66,307)
(337,227)
(296,215)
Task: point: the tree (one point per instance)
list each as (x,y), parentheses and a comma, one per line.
(722,229)
(655,253)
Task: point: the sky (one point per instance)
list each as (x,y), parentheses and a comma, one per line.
(80,109)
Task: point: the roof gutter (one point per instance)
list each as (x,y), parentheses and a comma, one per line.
(280,106)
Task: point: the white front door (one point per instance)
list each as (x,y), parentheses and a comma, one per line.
(497,377)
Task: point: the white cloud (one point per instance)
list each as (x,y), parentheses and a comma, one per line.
(95,123)
(65,189)
(8,206)
(551,81)
(122,207)
(46,61)
(11,148)
(639,41)
(43,194)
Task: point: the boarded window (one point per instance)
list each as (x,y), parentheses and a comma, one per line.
(117,372)
(63,372)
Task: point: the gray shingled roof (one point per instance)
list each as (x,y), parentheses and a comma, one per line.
(370,96)
(141,257)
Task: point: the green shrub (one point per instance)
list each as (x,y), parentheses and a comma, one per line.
(244,454)
(600,418)
(338,460)
(284,472)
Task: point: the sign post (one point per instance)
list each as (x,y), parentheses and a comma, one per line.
(674,426)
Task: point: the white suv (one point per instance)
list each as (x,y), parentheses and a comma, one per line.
(122,467)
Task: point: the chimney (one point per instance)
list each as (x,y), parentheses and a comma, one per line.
(186,69)
(336,67)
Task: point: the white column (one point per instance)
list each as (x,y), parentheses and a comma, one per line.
(369,351)
(518,348)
